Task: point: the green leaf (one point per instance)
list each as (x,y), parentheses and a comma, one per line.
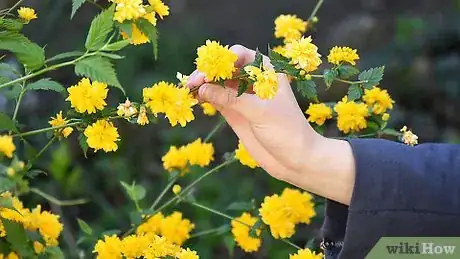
(98,69)
(28,53)
(6,202)
(373,76)
(9,68)
(240,206)
(17,237)
(11,24)
(258,60)
(12,93)
(53,252)
(85,227)
(6,123)
(254,228)
(110,55)
(126,28)
(242,87)
(151,32)
(354,92)
(35,172)
(391,132)
(329,76)
(135,192)
(65,55)
(116,46)
(46,84)
(6,184)
(281,64)
(135,217)
(308,89)
(230,244)
(101,26)
(76,4)
(83,144)
(347,71)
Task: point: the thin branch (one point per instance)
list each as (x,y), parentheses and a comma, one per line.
(56,201)
(165,190)
(315,10)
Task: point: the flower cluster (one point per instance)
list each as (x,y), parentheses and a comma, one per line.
(351,116)
(195,153)
(303,54)
(318,113)
(244,157)
(289,27)
(338,55)
(27,14)
(241,227)
(377,99)
(87,97)
(61,122)
(265,81)
(217,62)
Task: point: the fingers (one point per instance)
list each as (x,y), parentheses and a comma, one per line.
(245,55)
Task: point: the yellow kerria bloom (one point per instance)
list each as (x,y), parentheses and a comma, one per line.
(46,223)
(151,18)
(303,54)
(199,153)
(338,55)
(128,10)
(379,100)
(306,254)
(27,14)
(175,159)
(7,146)
(265,81)
(134,246)
(187,254)
(152,225)
(18,214)
(159,7)
(109,248)
(176,229)
(137,37)
(87,97)
(58,121)
(289,27)
(280,50)
(102,135)
(300,204)
(351,116)
(12,255)
(216,61)
(161,247)
(244,157)
(208,109)
(241,233)
(126,109)
(318,113)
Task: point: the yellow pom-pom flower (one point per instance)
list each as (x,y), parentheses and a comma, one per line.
(47,224)
(303,54)
(199,153)
(318,113)
(216,61)
(337,55)
(208,109)
(134,246)
(7,146)
(176,229)
(87,97)
(137,37)
(109,248)
(244,157)
(306,254)
(379,100)
(59,121)
(187,254)
(241,233)
(300,204)
(152,225)
(128,10)
(102,135)
(159,8)
(11,255)
(289,27)
(265,81)
(273,213)
(27,14)
(351,116)
(175,159)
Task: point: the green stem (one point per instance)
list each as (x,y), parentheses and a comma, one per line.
(342,80)
(56,201)
(50,142)
(18,102)
(208,232)
(95,4)
(216,128)
(165,190)
(315,10)
(291,244)
(15,5)
(33,132)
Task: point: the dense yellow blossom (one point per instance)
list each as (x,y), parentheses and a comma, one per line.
(102,135)
(306,254)
(59,121)
(300,204)
(303,54)
(18,213)
(408,137)
(175,228)
(289,27)
(152,225)
(265,81)
(161,247)
(216,61)
(38,247)
(142,119)
(27,14)
(318,113)
(338,55)
(351,116)
(109,248)
(187,254)
(379,100)
(244,157)
(175,159)
(46,223)
(134,246)
(128,10)
(137,36)
(208,109)
(7,146)
(280,50)
(159,8)
(176,189)
(199,153)
(11,255)
(87,97)
(241,232)
(126,109)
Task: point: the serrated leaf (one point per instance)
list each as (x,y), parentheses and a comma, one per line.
(373,76)
(347,71)
(11,24)
(46,84)
(6,123)
(259,59)
(65,55)
(6,184)
(101,26)
(281,64)
(242,87)
(28,53)
(329,76)
(76,4)
(240,206)
(110,55)
(17,237)
(151,32)
(354,92)
(116,46)
(307,88)
(98,69)
(83,144)
(85,227)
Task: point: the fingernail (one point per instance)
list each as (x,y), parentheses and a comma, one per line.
(202,91)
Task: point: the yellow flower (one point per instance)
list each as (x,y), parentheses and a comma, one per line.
(338,55)
(176,229)
(137,37)
(303,54)
(18,214)
(7,146)
(59,121)
(46,223)
(128,10)
(2,232)
(152,225)
(10,171)
(27,14)
(216,61)
(102,135)
(306,254)
(176,189)
(280,50)
(87,97)
(142,119)
(161,247)
(126,109)
(408,137)
(379,100)
(241,233)
(199,153)
(151,18)
(109,248)
(134,246)
(187,254)
(183,79)
(175,158)
(385,116)
(244,157)
(289,27)
(265,81)
(300,204)
(160,8)
(351,116)
(38,247)
(12,255)
(318,113)
(208,109)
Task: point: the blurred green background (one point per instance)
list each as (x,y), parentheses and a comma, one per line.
(418,41)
